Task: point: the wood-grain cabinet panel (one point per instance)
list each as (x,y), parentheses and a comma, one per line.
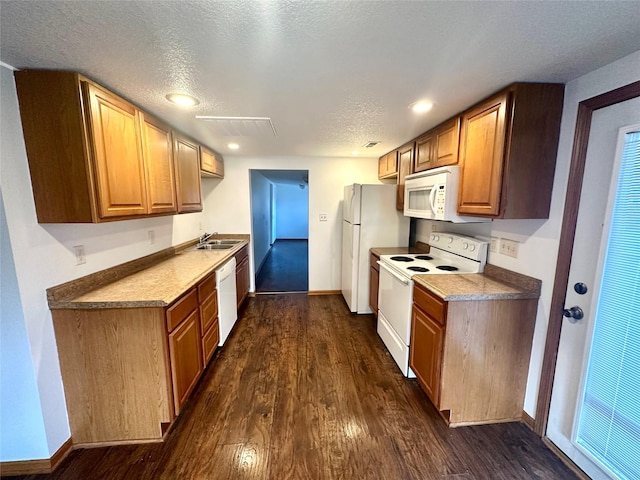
(185,349)
(95,157)
(405,167)
(374,283)
(243,280)
(474,364)
(211,163)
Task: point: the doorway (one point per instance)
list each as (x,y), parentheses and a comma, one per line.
(589,241)
(280,226)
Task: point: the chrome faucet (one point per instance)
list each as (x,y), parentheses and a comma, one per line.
(205,236)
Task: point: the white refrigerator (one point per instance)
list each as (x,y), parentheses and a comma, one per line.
(369,219)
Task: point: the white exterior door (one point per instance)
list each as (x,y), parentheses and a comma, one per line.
(592,232)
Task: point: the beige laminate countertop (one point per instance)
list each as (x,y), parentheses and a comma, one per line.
(156,286)
(478,286)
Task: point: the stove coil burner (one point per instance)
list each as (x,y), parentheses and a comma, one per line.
(402,259)
(418,269)
(424,257)
(447,268)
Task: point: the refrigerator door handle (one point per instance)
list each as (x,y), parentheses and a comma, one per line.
(351,205)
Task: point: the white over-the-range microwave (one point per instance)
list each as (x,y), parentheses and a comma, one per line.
(433,195)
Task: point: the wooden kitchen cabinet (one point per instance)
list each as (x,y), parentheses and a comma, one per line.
(187,162)
(95,157)
(438,147)
(185,350)
(157,151)
(242,275)
(374,283)
(508,148)
(388,165)
(471,357)
(127,372)
(211,163)
(405,166)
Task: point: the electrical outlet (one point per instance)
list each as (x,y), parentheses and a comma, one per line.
(509,247)
(323,217)
(493,248)
(152,237)
(80,256)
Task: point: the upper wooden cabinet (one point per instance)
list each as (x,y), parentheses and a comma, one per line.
(158,159)
(438,147)
(211,163)
(388,165)
(405,167)
(187,161)
(95,157)
(508,148)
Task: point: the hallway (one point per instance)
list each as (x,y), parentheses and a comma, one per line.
(286,268)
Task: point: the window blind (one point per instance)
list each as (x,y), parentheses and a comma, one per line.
(609,422)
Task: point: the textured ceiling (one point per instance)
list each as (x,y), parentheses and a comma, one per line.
(330,75)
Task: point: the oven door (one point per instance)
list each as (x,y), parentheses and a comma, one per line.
(395,299)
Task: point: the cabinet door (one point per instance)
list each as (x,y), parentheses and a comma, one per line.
(405,164)
(187,162)
(157,152)
(118,165)
(425,150)
(211,164)
(482,147)
(447,139)
(186,358)
(388,165)
(425,356)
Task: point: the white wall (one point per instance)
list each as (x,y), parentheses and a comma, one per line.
(292,207)
(261,217)
(539,239)
(44,257)
(229,205)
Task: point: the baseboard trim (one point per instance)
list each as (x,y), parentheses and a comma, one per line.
(34,467)
(528,420)
(566,460)
(323,292)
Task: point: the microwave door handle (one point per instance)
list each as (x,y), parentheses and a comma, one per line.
(398,277)
(432,198)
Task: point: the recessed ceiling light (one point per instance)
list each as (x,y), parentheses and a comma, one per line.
(355,153)
(421,107)
(233,146)
(182,99)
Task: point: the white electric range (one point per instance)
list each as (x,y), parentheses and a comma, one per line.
(449,253)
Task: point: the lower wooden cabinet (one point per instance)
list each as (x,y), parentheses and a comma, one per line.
(374,283)
(243,280)
(185,351)
(471,357)
(127,372)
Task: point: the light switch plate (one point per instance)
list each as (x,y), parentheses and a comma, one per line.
(493,248)
(509,247)
(323,217)
(80,255)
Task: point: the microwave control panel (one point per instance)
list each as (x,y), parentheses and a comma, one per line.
(438,201)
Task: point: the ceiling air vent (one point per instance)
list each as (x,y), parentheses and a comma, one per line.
(370,144)
(240,126)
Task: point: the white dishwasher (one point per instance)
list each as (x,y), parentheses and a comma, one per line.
(227,306)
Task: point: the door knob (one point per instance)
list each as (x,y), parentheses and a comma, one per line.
(574,313)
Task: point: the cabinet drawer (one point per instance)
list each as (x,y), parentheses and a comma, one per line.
(210,342)
(206,287)
(209,311)
(430,304)
(181,309)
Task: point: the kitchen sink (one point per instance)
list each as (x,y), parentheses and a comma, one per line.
(224,241)
(215,246)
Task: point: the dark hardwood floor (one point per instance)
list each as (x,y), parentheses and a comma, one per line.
(305,390)
(286,268)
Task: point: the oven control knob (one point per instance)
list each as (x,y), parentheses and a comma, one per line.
(450,240)
(435,237)
(465,245)
(472,247)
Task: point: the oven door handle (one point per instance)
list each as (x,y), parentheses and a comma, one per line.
(404,280)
